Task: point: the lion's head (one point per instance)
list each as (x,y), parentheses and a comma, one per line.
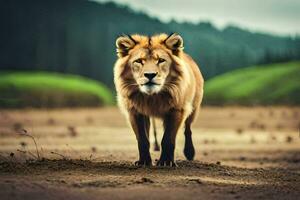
(149,63)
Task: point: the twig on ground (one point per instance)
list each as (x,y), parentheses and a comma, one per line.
(64,157)
(25,152)
(25,133)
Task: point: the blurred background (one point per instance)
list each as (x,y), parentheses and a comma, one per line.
(58,113)
(56,53)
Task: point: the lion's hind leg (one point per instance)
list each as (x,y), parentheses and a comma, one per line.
(189,150)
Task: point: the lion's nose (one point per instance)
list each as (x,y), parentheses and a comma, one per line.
(150,75)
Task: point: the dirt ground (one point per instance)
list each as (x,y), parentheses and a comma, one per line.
(241,153)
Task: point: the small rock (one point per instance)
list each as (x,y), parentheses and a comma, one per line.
(145,180)
(239,131)
(198,181)
(289,139)
(242,158)
(51,121)
(94,149)
(72,131)
(23,144)
(17,126)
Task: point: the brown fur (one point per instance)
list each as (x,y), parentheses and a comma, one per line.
(176,99)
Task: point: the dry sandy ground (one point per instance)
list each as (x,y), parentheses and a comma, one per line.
(242,153)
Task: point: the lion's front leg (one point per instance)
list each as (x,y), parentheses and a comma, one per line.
(141,124)
(172,122)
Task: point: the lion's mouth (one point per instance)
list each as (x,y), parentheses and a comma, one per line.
(150,83)
(150,87)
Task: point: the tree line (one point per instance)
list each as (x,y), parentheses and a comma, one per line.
(78,37)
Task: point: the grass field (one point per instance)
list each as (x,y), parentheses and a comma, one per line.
(41,89)
(270,84)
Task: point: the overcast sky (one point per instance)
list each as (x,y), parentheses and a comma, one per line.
(275,16)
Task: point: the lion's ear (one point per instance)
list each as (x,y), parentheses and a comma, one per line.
(124,44)
(174,42)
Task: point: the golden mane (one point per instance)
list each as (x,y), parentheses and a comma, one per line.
(174,87)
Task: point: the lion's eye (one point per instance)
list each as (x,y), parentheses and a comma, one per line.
(161,60)
(139,61)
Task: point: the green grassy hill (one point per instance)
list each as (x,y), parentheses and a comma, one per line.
(41,89)
(266,84)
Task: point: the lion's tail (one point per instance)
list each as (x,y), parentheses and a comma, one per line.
(156,145)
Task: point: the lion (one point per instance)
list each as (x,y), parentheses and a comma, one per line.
(155,78)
